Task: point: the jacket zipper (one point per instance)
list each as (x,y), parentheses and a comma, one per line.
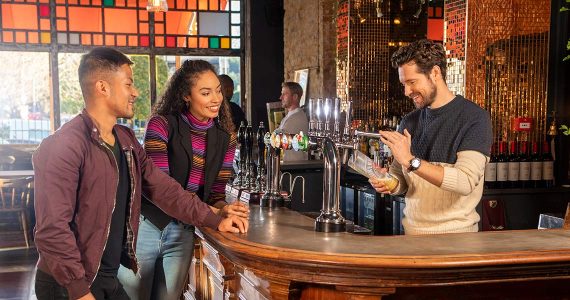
(114,202)
(133,186)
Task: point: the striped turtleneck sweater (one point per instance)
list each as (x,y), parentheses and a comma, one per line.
(156,141)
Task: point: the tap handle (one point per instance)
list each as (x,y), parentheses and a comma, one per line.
(327,110)
(348,120)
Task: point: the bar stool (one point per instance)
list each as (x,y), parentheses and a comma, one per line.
(14,198)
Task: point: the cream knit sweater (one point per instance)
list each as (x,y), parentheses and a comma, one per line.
(450,208)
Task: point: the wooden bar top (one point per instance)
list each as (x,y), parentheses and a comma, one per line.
(283,230)
(282,248)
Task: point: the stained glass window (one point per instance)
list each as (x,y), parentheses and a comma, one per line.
(213,24)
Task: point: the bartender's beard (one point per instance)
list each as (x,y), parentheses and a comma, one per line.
(421,101)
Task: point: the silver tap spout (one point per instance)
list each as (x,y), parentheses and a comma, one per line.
(312,121)
(347,123)
(320,117)
(336,118)
(367,134)
(328,113)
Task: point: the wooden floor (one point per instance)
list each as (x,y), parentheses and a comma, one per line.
(17,263)
(17,273)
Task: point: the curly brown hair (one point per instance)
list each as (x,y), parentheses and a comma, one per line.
(424,53)
(180,85)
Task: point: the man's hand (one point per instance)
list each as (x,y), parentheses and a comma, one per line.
(400,144)
(378,184)
(87,297)
(234,224)
(236,209)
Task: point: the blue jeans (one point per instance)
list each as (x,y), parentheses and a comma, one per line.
(164,259)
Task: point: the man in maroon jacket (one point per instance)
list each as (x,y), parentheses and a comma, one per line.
(89,179)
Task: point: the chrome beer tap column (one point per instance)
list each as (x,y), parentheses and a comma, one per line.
(330,219)
(249,164)
(260,182)
(272,197)
(239,181)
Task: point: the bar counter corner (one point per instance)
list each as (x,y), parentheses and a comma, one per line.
(282,257)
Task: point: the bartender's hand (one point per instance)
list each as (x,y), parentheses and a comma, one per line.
(379,185)
(87,297)
(234,224)
(237,208)
(400,145)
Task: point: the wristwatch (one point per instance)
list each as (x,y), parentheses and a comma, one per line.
(414,164)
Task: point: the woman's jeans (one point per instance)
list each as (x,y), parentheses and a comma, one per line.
(164,259)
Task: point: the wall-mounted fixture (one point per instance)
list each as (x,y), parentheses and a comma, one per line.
(157,6)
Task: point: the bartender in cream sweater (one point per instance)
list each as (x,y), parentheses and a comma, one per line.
(295,120)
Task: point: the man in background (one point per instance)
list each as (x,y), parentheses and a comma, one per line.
(296,120)
(228,91)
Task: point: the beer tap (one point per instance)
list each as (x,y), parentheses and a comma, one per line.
(239,180)
(260,180)
(249,165)
(331,143)
(272,197)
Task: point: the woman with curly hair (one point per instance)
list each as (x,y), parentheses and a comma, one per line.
(190,136)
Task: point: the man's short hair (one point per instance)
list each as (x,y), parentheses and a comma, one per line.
(294,87)
(99,62)
(424,53)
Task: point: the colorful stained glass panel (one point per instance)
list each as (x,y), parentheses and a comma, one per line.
(213,24)
(19,16)
(225,43)
(128,23)
(188,24)
(235,6)
(85,19)
(214,43)
(44,11)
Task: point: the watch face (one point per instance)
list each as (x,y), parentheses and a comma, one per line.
(416,163)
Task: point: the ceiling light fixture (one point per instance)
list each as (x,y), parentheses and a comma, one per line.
(157,6)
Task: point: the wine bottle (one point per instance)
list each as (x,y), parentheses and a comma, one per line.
(547,166)
(491,169)
(513,166)
(502,166)
(535,167)
(524,161)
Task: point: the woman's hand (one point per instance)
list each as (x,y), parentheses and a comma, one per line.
(235,209)
(234,224)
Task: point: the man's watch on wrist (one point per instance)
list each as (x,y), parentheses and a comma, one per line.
(415,163)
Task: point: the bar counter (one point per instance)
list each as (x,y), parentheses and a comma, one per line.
(282,257)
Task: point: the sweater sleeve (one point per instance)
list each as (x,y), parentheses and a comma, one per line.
(156,142)
(466,174)
(218,187)
(396,171)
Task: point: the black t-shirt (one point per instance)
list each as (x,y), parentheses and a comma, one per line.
(117,233)
(237,115)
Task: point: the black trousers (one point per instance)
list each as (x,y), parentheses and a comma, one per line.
(105,287)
